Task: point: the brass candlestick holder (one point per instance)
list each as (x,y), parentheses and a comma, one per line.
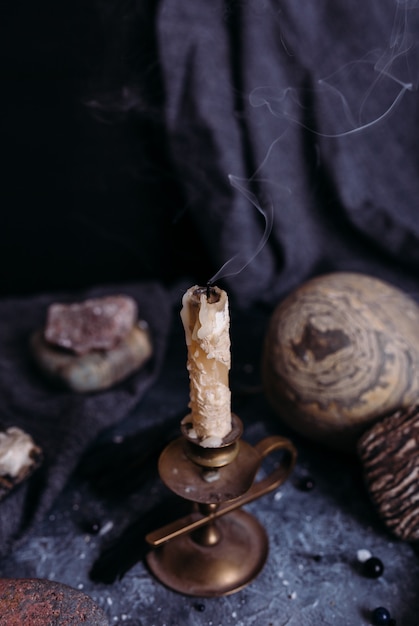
(218,549)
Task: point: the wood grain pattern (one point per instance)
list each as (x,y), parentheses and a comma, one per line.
(340,352)
(389,453)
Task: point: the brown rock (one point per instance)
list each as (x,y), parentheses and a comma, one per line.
(40,602)
(96,324)
(96,370)
(389,452)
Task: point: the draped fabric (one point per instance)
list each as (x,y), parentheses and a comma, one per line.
(212,115)
(62,423)
(307,109)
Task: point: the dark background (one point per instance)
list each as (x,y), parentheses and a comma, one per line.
(87,193)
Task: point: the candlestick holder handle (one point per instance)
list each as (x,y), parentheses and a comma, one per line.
(186,525)
(219,548)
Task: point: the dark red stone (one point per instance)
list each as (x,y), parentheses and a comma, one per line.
(95,324)
(41,602)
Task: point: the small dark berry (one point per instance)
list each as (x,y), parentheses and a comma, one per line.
(381,616)
(306,484)
(92,527)
(373,567)
(199,607)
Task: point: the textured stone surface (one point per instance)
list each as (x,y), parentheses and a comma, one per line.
(95,370)
(389,452)
(38,602)
(95,324)
(340,353)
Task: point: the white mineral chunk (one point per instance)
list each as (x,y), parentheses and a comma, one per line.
(15,452)
(363,555)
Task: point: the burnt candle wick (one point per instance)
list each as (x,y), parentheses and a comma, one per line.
(210,292)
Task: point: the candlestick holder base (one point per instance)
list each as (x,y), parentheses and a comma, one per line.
(187,566)
(218,549)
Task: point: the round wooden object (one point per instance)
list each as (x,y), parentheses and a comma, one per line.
(340,352)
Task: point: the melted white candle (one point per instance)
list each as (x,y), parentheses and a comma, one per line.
(207,325)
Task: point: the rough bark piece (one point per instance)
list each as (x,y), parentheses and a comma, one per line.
(36,602)
(95,324)
(95,370)
(389,452)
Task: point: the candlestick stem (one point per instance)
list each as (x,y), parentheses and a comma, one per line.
(208,535)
